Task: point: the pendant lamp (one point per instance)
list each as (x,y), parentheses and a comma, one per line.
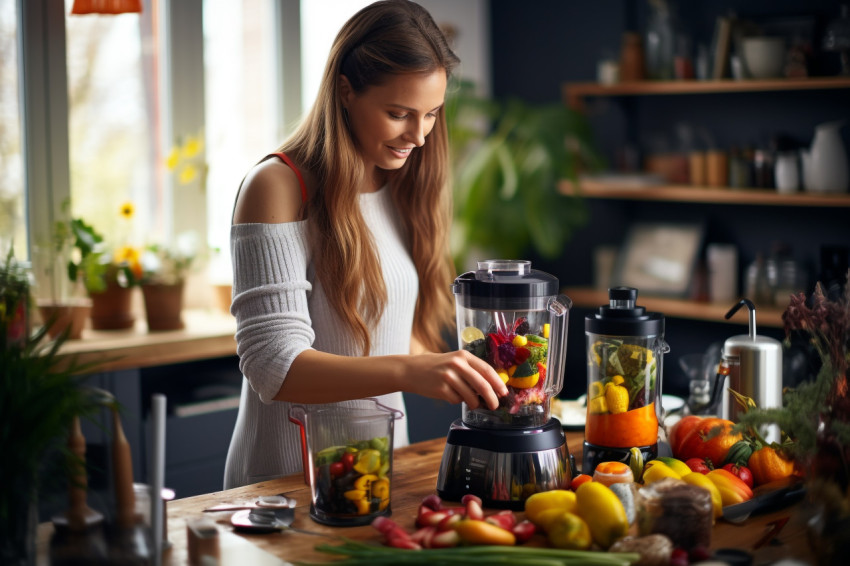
(106,6)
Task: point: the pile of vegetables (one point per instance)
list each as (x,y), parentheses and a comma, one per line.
(518,354)
(353,480)
(708,444)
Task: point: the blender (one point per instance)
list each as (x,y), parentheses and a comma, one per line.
(514,318)
(625,347)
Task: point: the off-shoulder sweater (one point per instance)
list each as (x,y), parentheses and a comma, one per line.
(281,310)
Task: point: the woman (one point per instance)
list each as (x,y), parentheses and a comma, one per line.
(340,247)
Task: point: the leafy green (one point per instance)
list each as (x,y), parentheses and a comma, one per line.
(509,158)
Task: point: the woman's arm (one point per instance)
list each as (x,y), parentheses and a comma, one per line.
(319,377)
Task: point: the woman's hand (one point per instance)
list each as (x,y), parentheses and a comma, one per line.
(454,377)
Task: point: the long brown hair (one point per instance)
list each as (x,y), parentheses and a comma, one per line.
(386,38)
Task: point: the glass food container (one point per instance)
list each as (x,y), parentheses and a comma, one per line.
(348,459)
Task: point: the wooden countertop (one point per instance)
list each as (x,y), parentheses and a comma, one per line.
(208,334)
(414,477)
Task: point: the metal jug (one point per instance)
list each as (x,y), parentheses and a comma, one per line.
(753,365)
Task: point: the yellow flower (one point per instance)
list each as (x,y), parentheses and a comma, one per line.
(187,174)
(173,158)
(192,147)
(127,210)
(131,257)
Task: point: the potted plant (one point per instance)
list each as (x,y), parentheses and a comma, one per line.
(76,268)
(164,272)
(508,158)
(14,301)
(40,395)
(112,303)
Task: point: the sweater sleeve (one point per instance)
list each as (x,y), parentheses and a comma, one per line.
(270,290)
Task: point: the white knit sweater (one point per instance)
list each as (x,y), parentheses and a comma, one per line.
(282,310)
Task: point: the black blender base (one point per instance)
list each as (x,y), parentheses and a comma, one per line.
(594,454)
(504,466)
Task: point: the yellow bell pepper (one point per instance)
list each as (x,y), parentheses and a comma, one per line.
(617,397)
(598,405)
(595,390)
(355,494)
(364,483)
(363,506)
(381,488)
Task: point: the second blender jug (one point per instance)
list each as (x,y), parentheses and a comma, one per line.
(625,347)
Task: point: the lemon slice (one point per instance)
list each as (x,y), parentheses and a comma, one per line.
(470,334)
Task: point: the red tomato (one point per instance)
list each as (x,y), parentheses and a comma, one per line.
(697,465)
(742,472)
(348,461)
(337,469)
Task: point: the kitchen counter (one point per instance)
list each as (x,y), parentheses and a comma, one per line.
(415,469)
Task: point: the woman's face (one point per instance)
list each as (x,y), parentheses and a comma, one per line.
(388,121)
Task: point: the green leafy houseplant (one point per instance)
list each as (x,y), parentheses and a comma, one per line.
(40,394)
(78,248)
(508,159)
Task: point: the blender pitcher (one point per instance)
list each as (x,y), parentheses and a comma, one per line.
(625,347)
(513,317)
(348,459)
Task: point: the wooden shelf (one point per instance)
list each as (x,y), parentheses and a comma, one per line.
(587,297)
(208,334)
(574,93)
(589,188)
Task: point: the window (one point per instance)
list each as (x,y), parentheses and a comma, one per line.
(113,120)
(241,108)
(12,224)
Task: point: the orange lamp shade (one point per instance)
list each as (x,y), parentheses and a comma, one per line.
(106,6)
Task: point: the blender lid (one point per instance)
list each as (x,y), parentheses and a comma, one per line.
(622,317)
(503,285)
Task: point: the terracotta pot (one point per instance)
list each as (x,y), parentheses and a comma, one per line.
(163,306)
(112,309)
(61,316)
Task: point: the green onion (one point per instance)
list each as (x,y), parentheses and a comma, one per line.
(359,553)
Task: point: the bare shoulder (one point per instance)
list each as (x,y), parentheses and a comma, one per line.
(270,194)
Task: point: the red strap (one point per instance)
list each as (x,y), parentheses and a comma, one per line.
(292,166)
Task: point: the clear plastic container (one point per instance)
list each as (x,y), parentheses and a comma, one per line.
(512,317)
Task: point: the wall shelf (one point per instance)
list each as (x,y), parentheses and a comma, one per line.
(574,93)
(588,297)
(590,188)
